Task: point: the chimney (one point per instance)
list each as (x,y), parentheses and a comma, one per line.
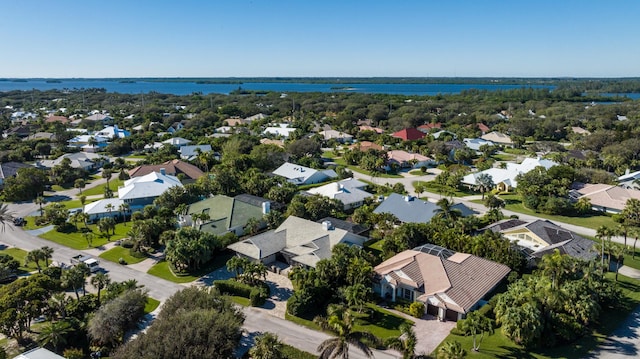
(266,207)
(407,198)
(163,172)
(326,225)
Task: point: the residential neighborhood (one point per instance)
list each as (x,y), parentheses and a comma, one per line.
(391,227)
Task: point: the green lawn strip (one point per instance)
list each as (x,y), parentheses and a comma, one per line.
(65,187)
(629,260)
(19,255)
(114,183)
(163,270)
(503,157)
(114,254)
(30,223)
(75,240)
(151,305)
(373,319)
(295,353)
(245,302)
(434,188)
(593,221)
(499,346)
(341,162)
(374,246)
(418,173)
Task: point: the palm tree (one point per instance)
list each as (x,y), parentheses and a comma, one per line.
(447,211)
(267,346)
(40,201)
(100,281)
(106,174)
(555,266)
(79,184)
(124,208)
(34,256)
(602,233)
(5,215)
(451,350)
(356,295)
(476,323)
(341,323)
(47,253)
(54,335)
(635,233)
(618,253)
(485,183)
(73,278)
(405,343)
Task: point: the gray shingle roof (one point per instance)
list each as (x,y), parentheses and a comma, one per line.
(414,210)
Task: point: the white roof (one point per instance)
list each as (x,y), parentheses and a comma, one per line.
(299,174)
(475,143)
(508,175)
(100,206)
(39,353)
(177,141)
(150,185)
(282,129)
(347,191)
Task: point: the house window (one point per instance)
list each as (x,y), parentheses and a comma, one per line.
(407,294)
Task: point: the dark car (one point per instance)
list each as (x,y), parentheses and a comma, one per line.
(18,221)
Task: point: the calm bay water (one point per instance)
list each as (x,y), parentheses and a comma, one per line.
(185,88)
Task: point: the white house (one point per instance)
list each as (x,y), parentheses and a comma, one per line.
(113,132)
(348,191)
(301,175)
(177,141)
(476,143)
(505,178)
(282,130)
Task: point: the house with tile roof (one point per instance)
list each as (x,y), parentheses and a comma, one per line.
(409,209)
(449,284)
(406,159)
(409,134)
(301,175)
(604,197)
(365,146)
(86,160)
(296,241)
(498,138)
(226,214)
(377,130)
(349,191)
(427,127)
(62,119)
(505,178)
(176,168)
(540,237)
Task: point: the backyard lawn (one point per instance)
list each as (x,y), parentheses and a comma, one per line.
(593,221)
(433,187)
(163,270)
(19,255)
(498,346)
(114,254)
(76,240)
(151,305)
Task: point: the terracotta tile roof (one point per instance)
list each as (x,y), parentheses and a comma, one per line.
(460,280)
(61,119)
(371,128)
(429,126)
(409,134)
(607,196)
(366,146)
(173,167)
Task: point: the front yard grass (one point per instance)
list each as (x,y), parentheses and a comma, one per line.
(19,255)
(114,254)
(151,305)
(339,161)
(75,240)
(163,270)
(434,188)
(30,223)
(499,346)
(373,319)
(114,183)
(593,221)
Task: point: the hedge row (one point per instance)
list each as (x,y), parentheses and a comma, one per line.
(257,295)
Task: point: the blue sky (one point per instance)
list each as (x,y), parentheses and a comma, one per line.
(238,38)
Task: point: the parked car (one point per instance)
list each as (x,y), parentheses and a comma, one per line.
(18,221)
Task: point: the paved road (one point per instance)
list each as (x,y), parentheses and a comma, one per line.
(258,321)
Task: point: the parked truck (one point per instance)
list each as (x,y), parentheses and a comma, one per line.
(92,263)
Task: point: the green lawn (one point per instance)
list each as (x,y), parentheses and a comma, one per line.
(503,157)
(341,162)
(498,346)
(114,254)
(373,319)
(151,305)
(163,270)
(432,187)
(75,240)
(19,255)
(114,183)
(30,223)
(245,302)
(418,173)
(295,353)
(593,221)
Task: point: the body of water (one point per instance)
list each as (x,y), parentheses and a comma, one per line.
(186,88)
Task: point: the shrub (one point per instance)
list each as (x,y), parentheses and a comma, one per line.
(232,287)
(416,309)
(122,261)
(258,296)
(126,243)
(65,227)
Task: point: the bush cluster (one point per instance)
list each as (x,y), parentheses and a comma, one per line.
(257,295)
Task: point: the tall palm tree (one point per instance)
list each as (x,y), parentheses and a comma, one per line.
(618,253)
(124,208)
(405,343)
(100,281)
(476,323)
(603,233)
(47,253)
(340,322)
(40,201)
(267,346)
(34,256)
